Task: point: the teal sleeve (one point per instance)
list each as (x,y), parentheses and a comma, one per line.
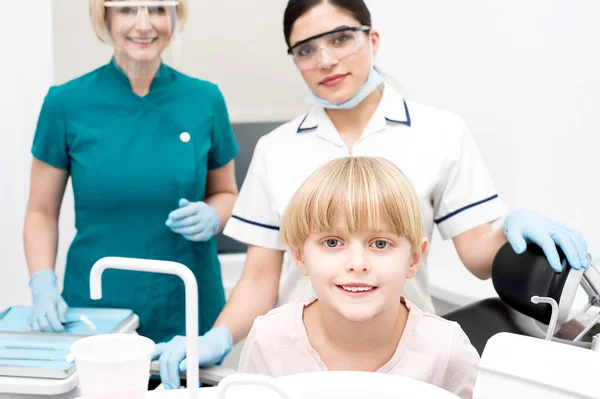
(50,140)
(224,146)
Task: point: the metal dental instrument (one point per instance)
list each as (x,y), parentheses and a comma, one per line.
(36,358)
(41,348)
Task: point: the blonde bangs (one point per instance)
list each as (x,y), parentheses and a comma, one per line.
(371,191)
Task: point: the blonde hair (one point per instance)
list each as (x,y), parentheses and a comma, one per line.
(369,190)
(98,18)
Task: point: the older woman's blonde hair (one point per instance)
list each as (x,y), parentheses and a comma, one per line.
(370,191)
(98,18)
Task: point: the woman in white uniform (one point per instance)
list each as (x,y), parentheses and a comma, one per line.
(357,113)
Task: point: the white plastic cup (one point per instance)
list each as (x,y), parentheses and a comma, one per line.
(115,366)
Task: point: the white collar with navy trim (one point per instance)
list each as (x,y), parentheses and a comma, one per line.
(392,109)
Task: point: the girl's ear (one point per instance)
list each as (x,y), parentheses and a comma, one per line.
(298,256)
(417,258)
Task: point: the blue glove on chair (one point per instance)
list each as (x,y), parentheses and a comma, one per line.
(196,221)
(524,225)
(49,308)
(212,349)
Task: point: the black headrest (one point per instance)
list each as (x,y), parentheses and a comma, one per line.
(517,278)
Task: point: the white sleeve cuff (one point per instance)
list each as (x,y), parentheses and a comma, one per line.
(485,211)
(251,232)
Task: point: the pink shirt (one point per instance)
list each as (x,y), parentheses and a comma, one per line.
(432,349)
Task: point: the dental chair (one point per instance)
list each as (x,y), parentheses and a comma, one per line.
(518,278)
(531,346)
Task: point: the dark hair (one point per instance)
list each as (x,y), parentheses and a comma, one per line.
(297,8)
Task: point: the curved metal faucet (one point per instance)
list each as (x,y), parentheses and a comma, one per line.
(191,301)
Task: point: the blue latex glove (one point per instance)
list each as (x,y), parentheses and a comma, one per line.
(212,349)
(196,221)
(49,308)
(524,225)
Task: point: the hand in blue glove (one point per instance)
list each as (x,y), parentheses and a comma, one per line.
(196,221)
(49,308)
(212,349)
(525,225)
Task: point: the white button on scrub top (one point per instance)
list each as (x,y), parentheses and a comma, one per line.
(185,137)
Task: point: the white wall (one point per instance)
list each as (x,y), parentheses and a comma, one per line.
(524,75)
(25,74)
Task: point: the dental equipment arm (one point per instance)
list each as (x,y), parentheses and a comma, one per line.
(591,284)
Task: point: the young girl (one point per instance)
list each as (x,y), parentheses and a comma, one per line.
(355,228)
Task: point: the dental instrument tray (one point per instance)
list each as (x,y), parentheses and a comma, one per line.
(46,355)
(81,322)
(29,355)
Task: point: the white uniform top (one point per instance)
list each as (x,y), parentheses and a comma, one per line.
(433,148)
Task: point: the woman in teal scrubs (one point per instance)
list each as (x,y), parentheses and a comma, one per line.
(150,154)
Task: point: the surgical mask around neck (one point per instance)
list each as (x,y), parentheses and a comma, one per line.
(373,82)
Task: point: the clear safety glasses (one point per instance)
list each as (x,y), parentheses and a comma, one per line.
(144,15)
(338,43)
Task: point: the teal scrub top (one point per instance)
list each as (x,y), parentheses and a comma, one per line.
(130,164)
